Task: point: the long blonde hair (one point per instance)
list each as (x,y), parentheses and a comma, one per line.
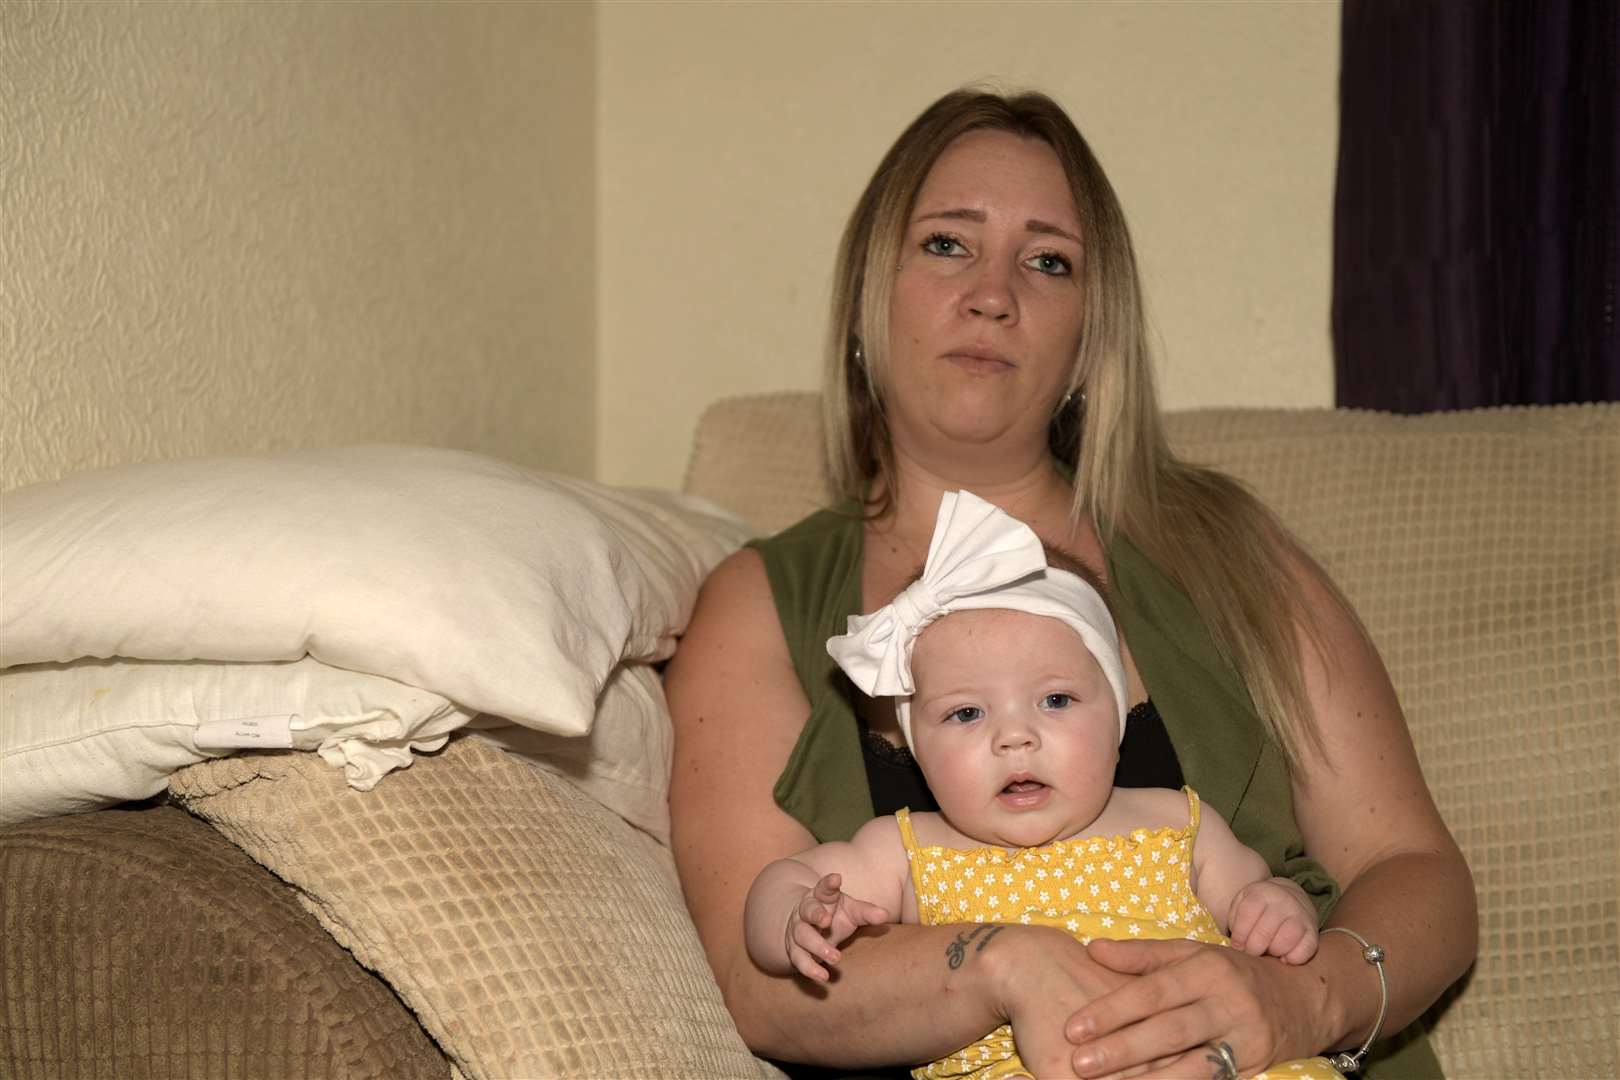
(1200,527)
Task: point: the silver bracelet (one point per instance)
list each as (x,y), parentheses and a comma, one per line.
(1374,955)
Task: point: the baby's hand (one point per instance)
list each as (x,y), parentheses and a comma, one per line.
(822,920)
(1273,917)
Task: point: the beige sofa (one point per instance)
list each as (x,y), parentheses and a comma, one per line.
(521,929)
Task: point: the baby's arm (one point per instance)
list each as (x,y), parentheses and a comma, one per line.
(800,909)
(1263,915)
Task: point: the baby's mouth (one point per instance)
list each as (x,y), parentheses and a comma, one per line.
(1020,787)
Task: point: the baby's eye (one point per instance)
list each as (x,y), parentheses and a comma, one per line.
(1057,701)
(966,714)
(1051,263)
(940,244)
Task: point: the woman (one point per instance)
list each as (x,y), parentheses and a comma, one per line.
(988,334)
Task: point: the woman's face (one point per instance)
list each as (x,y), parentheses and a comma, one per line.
(985,322)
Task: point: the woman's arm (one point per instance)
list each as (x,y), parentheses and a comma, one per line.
(1367,816)
(901,993)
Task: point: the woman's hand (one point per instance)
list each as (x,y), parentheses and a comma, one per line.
(1188,995)
(1041,975)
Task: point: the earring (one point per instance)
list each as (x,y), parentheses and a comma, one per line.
(860,356)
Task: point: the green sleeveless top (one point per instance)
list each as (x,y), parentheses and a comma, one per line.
(814,569)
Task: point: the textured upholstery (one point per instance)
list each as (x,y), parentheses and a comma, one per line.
(533,932)
(1482,549)
(143,944)
(760,457)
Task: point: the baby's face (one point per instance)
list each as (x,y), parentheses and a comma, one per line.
(1015,726)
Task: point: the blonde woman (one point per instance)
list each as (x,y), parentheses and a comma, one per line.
(987,334)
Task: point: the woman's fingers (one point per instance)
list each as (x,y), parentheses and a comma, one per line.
(1201,1060)
(1172,1027)
(1137,999)
(1165,1013)
(1189,995)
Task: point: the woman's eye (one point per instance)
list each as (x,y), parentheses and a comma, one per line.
(1057,701)
(965,715)
(940,244)
(1052,264)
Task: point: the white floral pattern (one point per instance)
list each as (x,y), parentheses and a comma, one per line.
(1009,889)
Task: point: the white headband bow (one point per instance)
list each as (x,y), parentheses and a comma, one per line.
(980,558)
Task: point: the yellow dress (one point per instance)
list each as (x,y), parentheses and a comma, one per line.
(1103,886)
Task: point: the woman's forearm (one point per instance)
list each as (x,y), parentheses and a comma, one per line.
(1420,908)
(904,993)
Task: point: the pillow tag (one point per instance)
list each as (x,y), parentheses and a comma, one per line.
(260,732)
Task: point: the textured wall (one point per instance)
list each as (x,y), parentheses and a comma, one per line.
(735,138)
(234,227)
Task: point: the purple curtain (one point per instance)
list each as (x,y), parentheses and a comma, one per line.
(1477,212)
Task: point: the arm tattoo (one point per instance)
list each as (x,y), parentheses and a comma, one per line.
(956,951)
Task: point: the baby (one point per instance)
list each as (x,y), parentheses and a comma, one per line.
(1014,707)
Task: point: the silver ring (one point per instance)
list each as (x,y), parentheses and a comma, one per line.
(1220,1053)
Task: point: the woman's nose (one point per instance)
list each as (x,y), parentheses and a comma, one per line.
(990,294)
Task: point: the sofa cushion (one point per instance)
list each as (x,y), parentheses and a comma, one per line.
(534,932)
(142,943)
(760,457)
(623,763)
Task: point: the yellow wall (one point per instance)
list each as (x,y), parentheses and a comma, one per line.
(555,231)
(237,227)
(734,138)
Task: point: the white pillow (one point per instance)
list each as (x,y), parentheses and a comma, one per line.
(623,763)
(89,734)
(501,589)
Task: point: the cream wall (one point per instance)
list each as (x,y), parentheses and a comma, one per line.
(734,138)
(238,227)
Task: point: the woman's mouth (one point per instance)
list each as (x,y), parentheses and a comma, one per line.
(979,360)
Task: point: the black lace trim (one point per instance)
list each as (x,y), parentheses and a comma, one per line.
(881,750)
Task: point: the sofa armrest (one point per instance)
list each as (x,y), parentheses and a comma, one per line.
(143,943)
(534,932)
